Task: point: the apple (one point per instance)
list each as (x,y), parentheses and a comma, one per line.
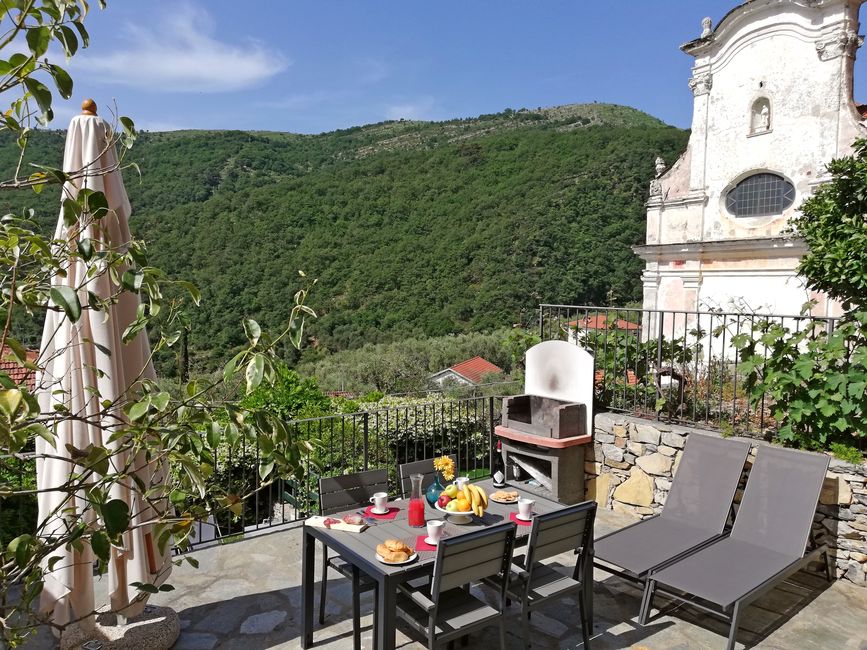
(451,491)
(452,506)
(443,501)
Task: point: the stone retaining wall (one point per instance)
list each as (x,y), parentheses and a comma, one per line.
(633,461)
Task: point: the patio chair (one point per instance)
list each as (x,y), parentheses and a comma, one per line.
(767,544)
(696,511)
(444,610)
(336,494)
(535,584)
(424,467)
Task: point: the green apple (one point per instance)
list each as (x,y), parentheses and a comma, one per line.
(451,491)
(452,506)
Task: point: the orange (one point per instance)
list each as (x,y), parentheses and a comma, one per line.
(463,505)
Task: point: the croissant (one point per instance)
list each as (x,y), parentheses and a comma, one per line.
(395,554)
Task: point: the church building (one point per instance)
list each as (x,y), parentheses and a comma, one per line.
(772,88)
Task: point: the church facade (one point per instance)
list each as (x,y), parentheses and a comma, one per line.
(772,88)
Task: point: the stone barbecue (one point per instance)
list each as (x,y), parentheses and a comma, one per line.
(545,431)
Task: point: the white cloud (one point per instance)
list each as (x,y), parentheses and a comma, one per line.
(181,54)
(421,109)
(300,101)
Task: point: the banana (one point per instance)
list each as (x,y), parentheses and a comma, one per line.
(474,496)
(484,497)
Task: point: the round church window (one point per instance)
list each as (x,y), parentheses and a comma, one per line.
(760,195)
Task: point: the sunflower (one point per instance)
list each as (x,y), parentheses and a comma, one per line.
(445,466)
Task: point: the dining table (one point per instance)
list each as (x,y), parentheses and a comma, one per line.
(359,550)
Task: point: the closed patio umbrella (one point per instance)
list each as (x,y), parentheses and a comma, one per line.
(76,358)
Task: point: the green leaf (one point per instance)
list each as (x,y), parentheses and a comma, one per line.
(10,400)
(101,545)
(252,330)
(139,409)
(215,432)
(85,249)
(255,372)
(265,469)
(145,587)
(69,40)
(19,548)
(132,280)
(115,515)
(42,95)
(38,39)
(62,80)
(160,401)
(67,299)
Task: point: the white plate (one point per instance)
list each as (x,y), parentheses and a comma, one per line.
(505,503)
(518,516)
(411,558)
(380,512)
(432,542)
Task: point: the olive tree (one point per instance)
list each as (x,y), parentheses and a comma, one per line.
(181,430)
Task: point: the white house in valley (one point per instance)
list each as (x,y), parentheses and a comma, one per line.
(773,103)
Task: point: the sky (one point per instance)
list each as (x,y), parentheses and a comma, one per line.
(309,66)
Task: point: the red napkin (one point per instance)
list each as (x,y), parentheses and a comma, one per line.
(514,517)
(391,514)
(421,545)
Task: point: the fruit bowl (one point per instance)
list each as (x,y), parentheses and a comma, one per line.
(454,516)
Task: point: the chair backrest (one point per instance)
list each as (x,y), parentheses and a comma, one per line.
(338,493)
(780,499)
(567,529)
(425,468)
(470,557)
(704,487)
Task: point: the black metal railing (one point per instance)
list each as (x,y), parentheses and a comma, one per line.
(18,512)
(380,438)
(678,366)
(354,442)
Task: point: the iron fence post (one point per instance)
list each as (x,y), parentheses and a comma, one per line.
(490,434)
(365,438)
(660,339)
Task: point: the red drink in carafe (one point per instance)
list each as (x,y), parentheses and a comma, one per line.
(416,513)
(416,502)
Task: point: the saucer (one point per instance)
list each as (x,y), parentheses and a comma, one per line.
(530,518)
(380,512)
(432,542)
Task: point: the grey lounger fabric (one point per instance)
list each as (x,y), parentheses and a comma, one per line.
(766,544)
(695,512)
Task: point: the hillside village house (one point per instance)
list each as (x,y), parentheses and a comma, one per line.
(471,372)
(773,103)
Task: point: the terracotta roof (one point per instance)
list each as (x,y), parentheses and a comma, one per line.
(600,322)
(18,373)
(862,110)
(473,369)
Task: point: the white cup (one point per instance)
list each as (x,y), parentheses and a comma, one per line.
(435,530)
(461,481)
(380,502)
(525,507)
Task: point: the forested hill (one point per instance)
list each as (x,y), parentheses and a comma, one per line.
(420,228)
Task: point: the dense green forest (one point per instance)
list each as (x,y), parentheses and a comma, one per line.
(414,229)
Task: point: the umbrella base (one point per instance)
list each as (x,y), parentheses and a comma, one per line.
(157,628)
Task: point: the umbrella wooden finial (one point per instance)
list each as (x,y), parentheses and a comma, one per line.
(88,107)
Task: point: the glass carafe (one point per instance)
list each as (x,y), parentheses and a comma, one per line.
(416,502)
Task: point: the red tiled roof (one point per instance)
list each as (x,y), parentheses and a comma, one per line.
(862,110)
(600,322)
(18,373)
(473,369)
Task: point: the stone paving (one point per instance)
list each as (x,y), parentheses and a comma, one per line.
(247,595)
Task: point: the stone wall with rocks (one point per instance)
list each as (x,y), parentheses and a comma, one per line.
(633,462)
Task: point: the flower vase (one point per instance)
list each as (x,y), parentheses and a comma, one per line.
(434,490)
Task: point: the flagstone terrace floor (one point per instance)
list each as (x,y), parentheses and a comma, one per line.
(247,595)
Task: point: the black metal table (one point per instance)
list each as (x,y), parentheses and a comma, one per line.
(359,549)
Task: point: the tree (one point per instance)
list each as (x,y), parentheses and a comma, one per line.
(184,430)
(816,375)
